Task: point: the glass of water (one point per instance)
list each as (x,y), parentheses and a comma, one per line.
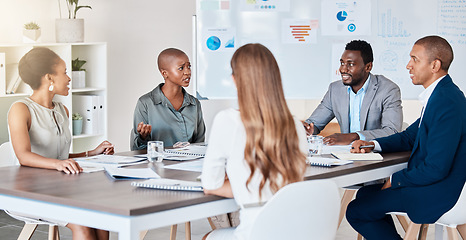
(315,144)
(155,151)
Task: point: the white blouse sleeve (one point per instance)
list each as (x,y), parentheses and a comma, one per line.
(303,145)
(213,170)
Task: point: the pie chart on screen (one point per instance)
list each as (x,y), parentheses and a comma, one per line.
(213,43)
(341,16)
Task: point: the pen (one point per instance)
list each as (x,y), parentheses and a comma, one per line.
(365,146)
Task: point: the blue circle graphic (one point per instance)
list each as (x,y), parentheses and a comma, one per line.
(341,16)
(351,27)
(213,43)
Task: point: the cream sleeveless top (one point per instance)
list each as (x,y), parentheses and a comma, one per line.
(49,134)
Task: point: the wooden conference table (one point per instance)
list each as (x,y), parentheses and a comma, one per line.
(94,200)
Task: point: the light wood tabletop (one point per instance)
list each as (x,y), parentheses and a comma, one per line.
(96,200)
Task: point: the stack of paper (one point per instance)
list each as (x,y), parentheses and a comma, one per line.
(98,162)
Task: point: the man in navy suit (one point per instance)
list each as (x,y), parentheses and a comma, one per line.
(436,172)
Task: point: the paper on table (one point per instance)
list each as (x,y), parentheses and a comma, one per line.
(358,156)
(328,149)
(131,173)
(174,157)
(109,159)
(91,169)
(193,166)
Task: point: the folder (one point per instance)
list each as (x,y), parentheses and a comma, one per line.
(101,123)
(86,105)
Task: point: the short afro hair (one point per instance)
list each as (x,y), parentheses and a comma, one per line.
(363,47)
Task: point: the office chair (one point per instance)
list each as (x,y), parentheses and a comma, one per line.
(7,158)
(454,219)
(302,210)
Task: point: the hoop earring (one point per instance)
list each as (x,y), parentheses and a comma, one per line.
(51,87)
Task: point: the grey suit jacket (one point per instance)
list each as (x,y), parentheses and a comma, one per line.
(381,114)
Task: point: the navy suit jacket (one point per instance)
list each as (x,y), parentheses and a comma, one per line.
(436,172)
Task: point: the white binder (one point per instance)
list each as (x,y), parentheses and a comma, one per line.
(100,114)
(2,75)
(86,105)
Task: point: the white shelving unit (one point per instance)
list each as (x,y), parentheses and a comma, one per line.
(96,84)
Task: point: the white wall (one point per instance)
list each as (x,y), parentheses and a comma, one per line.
(136,31)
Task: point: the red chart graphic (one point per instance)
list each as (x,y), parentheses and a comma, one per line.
(300,32)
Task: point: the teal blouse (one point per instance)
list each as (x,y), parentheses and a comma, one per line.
(168,124)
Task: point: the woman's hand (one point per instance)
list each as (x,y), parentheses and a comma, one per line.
(144,130)
(104,148)
(69,166)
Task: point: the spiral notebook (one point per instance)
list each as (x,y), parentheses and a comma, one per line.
(197,151)
(326,162)
(170,184)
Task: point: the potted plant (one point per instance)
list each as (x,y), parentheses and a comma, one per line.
(77,123)
(78,77)
(31,32)
(70,29)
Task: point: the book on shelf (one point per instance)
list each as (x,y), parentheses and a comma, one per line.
(13,77)
(198,151)
(371,156)
(2,73)
(327,162)
(170,184)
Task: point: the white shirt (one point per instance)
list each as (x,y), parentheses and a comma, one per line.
(355,108)
(225,153)
(425,95)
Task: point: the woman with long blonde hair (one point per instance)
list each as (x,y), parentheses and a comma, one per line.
(257,150)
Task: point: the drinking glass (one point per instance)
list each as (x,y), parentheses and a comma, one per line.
(315,143)
(155,151)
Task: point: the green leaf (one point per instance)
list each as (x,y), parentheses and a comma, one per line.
(76,65)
